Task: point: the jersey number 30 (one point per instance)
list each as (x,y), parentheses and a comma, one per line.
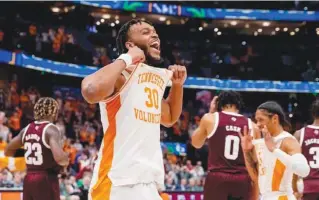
(315,162)
(37,152)
(231,147)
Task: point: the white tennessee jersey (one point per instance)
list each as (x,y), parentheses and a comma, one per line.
(130,152)
(273,177)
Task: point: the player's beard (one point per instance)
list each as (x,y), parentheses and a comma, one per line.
(150,60)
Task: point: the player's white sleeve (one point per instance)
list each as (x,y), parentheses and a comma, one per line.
(297,162)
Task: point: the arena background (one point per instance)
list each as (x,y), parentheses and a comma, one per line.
(266,50)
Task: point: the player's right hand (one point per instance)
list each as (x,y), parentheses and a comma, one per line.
(246,140)
(137,54)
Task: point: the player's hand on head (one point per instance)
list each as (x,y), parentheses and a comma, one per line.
(246,140)
(179,74)
(269,141)
(213,105)
(137,54)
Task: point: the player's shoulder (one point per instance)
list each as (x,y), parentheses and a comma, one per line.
(289,141)
(208,117)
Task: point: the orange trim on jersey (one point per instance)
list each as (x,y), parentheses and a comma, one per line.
(278,174)
(111,98)
(283,197)
(102,188)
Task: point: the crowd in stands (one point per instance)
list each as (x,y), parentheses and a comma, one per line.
(204,55)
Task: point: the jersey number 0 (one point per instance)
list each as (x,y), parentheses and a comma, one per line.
(231,147)
(37,152)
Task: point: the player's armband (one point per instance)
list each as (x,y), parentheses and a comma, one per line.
(297,162)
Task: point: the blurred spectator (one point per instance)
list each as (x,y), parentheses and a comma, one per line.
(170,185)
(183,185)
(5,134)
(85,187)
(14,122)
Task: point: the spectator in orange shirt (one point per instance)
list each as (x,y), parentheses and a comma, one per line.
(15,98)
(24,99)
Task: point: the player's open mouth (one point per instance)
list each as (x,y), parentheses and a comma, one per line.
(155,45)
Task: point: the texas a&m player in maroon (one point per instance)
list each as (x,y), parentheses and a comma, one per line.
(309,141)
(44,155)
(227,177)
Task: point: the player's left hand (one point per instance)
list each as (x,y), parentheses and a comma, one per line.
(179,74)
(271,145)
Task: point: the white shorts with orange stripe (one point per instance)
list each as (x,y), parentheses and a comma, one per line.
(278,196)
(141,191)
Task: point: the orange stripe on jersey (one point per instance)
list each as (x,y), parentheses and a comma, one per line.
(283,197)
(102,188)
(111,98)
(278,174)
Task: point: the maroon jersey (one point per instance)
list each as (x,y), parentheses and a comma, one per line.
(38,156)
(309,140)
(225,152)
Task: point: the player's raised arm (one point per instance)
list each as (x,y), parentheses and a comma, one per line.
(200,134)
(297,135)
(55,142)
(249,153)
(12,149)
(172,106)
(102,83)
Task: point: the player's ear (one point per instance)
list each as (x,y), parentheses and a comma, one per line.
(275,118)
(129,45)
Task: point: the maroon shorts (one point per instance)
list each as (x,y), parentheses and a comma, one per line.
(41,186)
(225,186)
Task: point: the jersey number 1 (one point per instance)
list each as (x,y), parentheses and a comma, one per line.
(37,150)
(231,147)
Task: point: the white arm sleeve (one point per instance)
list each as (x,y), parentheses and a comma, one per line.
(297,162)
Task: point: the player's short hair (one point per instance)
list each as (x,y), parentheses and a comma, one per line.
(315,109)
(122,35)
(229,98)
(272,108)
(45,108)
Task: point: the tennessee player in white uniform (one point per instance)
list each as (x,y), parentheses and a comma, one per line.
(273,160)
(129,92)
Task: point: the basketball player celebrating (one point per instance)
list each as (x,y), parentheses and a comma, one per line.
(44,155)
(227,176)
(308,138)
(278,154)
(130,92)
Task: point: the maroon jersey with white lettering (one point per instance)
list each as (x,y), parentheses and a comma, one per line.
(309,140)
(225,152)
(38,155)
